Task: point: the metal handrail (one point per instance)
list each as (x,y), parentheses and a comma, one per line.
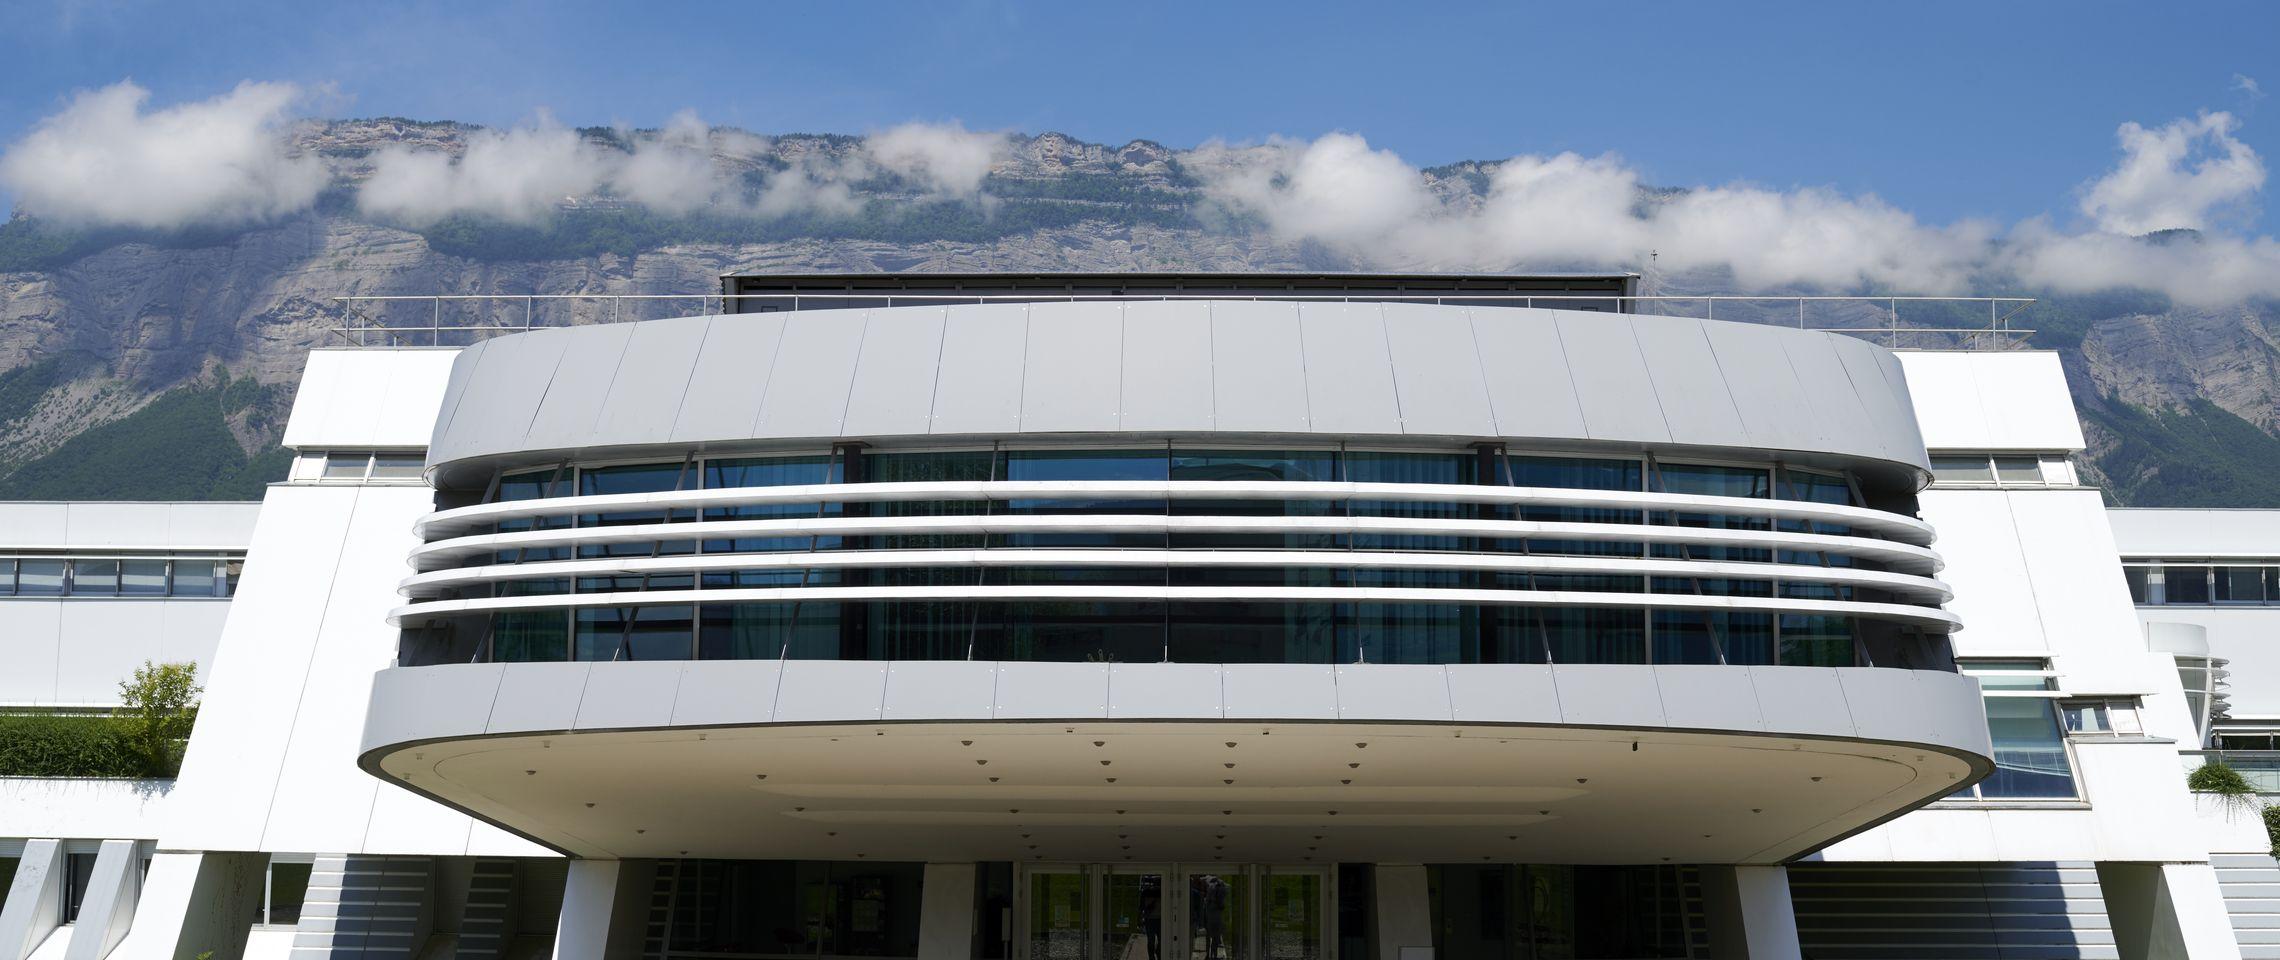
(360,329)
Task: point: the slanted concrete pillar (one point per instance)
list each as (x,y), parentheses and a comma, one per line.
(946,912)
(1749,913)
(195,903)
(109,907)
(605,909)
(1404,909)
(35,900)
(2167,911)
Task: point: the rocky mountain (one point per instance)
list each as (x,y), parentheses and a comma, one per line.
(155,365)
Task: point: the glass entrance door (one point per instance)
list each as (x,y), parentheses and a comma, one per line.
(1135,909)
(1184,912)
(1056,916)
(1295,912)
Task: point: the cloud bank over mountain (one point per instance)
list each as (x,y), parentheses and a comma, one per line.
(2167,216)
(107,159)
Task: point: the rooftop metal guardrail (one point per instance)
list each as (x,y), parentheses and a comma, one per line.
(458,319)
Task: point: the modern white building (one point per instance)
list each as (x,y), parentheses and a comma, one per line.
(1227,618)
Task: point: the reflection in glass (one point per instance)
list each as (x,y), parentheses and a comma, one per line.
(1134,921)
(2030,751)
(1059,916)
(1218,912)
(1292,927)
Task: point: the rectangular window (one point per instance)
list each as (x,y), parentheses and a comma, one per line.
(1962,470)
(142,578)
(78,872)
(398,466)
(7,578)
(2101,718)
(2019,470)
(2185,584)
(288,887)
(346,466)
(196,578)
(2240,584)
(95,578)
(39,577)
(2031,762)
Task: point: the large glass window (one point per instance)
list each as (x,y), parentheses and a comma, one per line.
(2239,584)
(2031,761)
(1558,912)
(792,908)
(39,577)
(634,633)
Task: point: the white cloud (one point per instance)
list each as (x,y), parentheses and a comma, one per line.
(2247,85)
(1570,210)
(945,158)
(105,159)
(2179,175)
(518,175)
(671,172)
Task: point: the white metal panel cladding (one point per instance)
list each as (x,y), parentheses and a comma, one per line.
(726,379)
(647,388)
(894,382)
(1167,367)
(1256,367)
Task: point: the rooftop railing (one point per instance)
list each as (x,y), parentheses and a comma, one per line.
(1965,323)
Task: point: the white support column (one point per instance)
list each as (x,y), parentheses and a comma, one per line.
(2167,911)
(1404,910)
(109,907)
(946,912)
(35,900)
(605,906)
(1749,913)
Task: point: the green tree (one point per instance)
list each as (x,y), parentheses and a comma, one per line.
(158,707)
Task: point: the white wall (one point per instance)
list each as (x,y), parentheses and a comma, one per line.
(354,398)
(74,651)
(272,765)
(1980,401)
(2249,637)
(79,809)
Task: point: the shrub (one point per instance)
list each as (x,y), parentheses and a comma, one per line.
(158,707)
(2218,777)
(41,745)
(144,739)
(2272,828)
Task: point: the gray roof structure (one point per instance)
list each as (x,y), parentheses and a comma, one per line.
(1170,368)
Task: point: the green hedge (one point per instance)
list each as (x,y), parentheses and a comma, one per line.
(35,745)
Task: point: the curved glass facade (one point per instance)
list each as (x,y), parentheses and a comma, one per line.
(1354,587)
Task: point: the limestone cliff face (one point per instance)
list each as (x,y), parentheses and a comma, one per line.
(94,338)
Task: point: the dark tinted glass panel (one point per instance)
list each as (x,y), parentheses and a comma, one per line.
(1575,473)
(1593,634)
(918,630)
(288,887)
(1714,481)
(634,478)
(534,485)
(1256,466)
(764,631)
(39,578)
(1409,633)
(968,465)
(770,472)
(785,908)
(1436,468)
(2186,584)
(1128,632)
(2240,584)
(525,636)
(1558,912)
(643,633)
(1237,632)
(1816,488)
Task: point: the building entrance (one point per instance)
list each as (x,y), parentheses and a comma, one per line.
(1174,912)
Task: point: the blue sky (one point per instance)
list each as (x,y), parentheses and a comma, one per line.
(1948,110)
